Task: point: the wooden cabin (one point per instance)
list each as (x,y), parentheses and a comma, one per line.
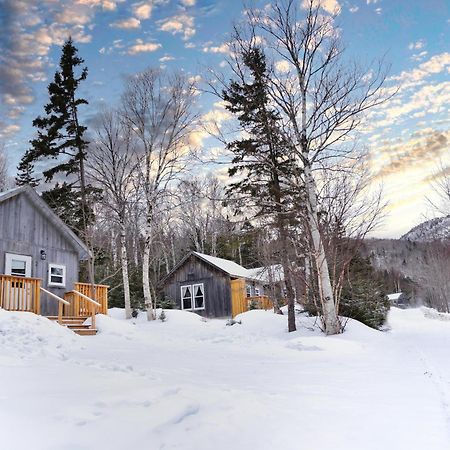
(40,260)
(215,287)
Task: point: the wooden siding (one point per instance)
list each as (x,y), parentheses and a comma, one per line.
(241,303)
(24,230)
(216,286)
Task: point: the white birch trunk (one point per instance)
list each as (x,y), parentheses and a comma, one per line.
(145,271)
(330,318)
(125,278)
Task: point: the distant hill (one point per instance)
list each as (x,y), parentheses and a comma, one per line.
(432,230)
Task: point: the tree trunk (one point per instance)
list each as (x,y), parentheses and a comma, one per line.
(330,318)
(146,272)
(125,278)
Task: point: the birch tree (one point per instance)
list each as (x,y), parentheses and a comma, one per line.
(113,164)
(321,97)
(159,109)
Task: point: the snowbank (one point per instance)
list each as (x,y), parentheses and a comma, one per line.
(25,334)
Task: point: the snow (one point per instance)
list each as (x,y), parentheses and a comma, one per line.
(268,274)
(394,297)
(226,265)
(190,383)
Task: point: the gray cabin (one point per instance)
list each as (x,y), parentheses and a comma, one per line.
(36,243)
(215,287)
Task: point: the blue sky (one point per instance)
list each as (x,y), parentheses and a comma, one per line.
(408,137)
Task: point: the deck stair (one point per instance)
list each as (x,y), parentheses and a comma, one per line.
(76,324)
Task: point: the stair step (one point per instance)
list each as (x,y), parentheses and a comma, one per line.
(77,326)
(85,331)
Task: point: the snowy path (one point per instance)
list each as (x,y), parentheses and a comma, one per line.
(189,384)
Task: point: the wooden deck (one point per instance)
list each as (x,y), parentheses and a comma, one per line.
(241,303)
(24,294)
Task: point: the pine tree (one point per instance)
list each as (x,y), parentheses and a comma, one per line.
(25,175)
(60,138)
(262,158)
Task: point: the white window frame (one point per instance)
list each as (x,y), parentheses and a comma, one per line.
(248,290)
(192,287)
(24,258)
(56,266)
(257,292)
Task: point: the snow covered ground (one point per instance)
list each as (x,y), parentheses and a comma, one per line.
(194,384)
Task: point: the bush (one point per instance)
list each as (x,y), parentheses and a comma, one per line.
(363,295)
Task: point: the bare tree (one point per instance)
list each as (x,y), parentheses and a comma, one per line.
(113,164)
(5,181)
(321,98)
(158,107)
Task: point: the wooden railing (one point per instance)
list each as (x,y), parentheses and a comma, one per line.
(81,304)
(20,293)
(101,294)
(61,303)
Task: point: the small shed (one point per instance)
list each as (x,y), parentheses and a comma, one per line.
(398,299)
(215,287)
(36,244)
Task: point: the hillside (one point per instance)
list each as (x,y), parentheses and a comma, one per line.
(430,230)
(191,383)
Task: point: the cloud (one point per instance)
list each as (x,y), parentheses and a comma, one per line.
(223,48)
(353,9)
(330,6)
(8,130)
(127,24)
(422,148)
(418,45)
(179,24)
(143,11)
(282,66)
(143,47)
(29,29)
(166,58)
(188,2)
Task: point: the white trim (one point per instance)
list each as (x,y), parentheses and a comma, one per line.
(8,264)
(192,287)
(53,283)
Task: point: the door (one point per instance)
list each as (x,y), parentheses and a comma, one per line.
(17,294)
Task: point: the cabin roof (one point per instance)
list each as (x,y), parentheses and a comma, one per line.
(395,296)
(261,274)
(230,267)
(36,200)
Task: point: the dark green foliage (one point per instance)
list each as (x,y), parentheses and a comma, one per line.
(166,303)
(263,159)
(364,295)
(25,175)
(60,139)
(67,203)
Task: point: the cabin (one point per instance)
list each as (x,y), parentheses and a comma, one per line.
(217,287)
(40,262)
(399,299)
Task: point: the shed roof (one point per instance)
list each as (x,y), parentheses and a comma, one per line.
(36,200)
(261,274)
(225,265)
(395,296)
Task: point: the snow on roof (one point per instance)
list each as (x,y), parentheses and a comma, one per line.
(395,296)
(264,274)
(226,265)
(268,274)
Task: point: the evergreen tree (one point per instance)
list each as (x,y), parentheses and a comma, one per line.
(262,158)
(25,175)
(60,138)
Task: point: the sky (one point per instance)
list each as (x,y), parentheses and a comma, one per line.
(408,138)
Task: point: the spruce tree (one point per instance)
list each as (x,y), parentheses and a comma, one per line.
(262,158)
(60,138)
(25,175)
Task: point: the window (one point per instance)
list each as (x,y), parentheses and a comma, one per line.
(257,291)
(249,290)
(56,275)
(193,296)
